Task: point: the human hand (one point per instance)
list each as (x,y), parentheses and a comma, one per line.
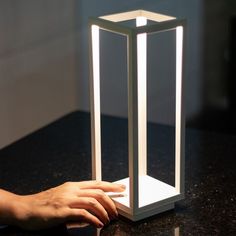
(71,202)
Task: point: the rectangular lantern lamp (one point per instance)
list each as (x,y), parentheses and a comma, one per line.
(145,195)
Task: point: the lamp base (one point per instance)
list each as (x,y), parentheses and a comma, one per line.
(154,197)
(145,214)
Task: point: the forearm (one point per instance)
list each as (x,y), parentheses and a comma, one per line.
(8,205)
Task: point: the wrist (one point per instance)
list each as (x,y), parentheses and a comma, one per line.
(8,207)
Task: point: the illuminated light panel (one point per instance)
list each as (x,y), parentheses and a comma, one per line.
(142,95)
(179,59)
(96,91)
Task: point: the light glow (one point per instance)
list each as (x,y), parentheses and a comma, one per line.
(96,102)
(179,59)
(142,95)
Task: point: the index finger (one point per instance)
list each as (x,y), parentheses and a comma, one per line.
(103,185)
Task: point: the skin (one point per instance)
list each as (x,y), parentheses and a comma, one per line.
(71,202)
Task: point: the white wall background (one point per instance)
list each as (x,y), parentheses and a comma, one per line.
(37,65)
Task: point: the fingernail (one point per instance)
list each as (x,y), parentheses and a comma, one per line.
(114,216)
(122,186)
(117,213)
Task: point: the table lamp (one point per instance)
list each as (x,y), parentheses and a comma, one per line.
(145,195)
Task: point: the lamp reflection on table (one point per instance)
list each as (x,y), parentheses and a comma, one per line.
(86,229)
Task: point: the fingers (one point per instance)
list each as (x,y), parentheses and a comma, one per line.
(103,185)
(92,205)
(102,198)
(82,215)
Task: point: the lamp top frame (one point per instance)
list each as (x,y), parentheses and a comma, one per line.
(113,22)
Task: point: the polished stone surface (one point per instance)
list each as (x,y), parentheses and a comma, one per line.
(61,152)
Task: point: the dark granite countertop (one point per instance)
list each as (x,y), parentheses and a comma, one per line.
(61,152)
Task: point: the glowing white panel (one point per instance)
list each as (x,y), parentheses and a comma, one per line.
(179,58)
(142,95)
(96,92)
